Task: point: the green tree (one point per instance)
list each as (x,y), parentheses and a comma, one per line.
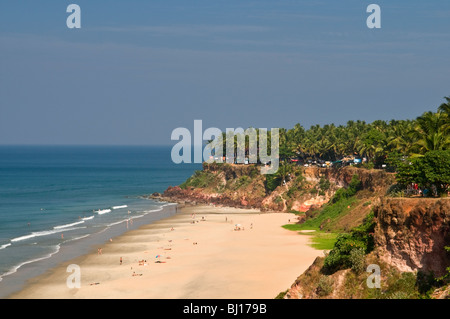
(431,169)
(431,133)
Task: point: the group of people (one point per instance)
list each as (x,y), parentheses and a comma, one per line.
(413,189)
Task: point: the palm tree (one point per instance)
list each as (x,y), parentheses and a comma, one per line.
(444,108)
(431,133)
(400,136)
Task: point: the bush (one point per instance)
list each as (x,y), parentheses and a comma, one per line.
(243,181)
(272,182)
(325,286)
(351,190)
(324,184)
(357,260)
(403,287)
(200,179)
(343,256)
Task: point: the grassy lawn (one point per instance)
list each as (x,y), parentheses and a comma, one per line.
(324,240)
(319,239)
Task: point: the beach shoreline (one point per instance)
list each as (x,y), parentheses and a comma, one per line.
(200,252)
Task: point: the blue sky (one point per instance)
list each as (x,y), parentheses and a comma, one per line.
(136,70)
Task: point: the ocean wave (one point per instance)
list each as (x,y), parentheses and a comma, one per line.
(88,218)
(4,246)
(77,238)
(119,207)
(169,204)
(43,233)
(154,210)
(116,223)
(103,211)
(15,268)
(68,225)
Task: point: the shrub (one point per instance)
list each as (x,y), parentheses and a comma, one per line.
(271,182)
(281,294)
(403,287)
(243,181)
(325,286)
(324,184)
(357,260)
(342,255)
(351,190)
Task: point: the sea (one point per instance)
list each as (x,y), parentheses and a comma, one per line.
(60,202)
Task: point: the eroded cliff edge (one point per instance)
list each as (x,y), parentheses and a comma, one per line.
(411,233)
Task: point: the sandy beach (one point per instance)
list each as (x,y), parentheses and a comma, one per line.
(197,253)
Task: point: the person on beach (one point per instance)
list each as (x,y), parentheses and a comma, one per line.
(121,260)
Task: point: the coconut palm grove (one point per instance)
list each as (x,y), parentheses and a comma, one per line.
(418,150)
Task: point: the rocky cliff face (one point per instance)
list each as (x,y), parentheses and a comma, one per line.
(372,180)
(243,186)
(227,185)
(411,233)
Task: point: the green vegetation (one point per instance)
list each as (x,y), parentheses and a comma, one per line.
(375,141)
(324,184)
(323,222)
(351,190)
(325,286)
(243,181)
(199,179)
(282,175)
(323,240)
(281,294)
(343,254)
(338,206)
(431,171)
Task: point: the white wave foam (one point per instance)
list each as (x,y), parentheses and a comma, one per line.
(43,233)
(88,218)
(103,211)
(15,268)
(154,210)
(5,245)
(116,223)
(119,207)
(68,225)
(76,238)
